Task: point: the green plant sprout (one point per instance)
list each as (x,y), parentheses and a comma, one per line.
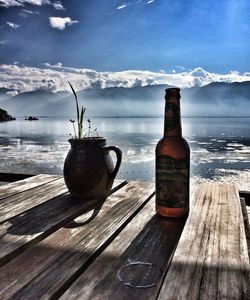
(79,133)
(79,117)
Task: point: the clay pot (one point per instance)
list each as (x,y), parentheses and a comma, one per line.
(89,171)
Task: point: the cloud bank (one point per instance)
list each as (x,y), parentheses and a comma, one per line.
(10,3)
(54,78)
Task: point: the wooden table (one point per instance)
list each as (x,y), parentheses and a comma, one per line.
(53,247)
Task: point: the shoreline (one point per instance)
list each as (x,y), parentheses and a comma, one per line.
(234,176)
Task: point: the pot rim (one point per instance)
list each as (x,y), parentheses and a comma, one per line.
(87,139)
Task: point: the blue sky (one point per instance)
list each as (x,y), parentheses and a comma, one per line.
(116,35)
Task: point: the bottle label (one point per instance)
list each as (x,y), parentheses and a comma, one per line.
(172,182)
(172,116)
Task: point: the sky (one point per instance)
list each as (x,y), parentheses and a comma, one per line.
(114,35)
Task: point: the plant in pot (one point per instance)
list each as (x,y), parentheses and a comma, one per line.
(88,170)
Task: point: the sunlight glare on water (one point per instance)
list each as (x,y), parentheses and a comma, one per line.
(218,145)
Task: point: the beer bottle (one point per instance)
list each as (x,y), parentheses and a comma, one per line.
(172,162)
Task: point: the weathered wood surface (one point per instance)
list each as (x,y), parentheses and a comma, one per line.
(14,188)
(21,202)
(49,267)
(211,260)
(21,231)
(134,264)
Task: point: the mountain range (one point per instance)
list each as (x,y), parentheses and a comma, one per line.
(214,99)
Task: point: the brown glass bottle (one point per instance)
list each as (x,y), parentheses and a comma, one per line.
(172,162)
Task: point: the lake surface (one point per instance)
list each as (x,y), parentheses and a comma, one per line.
(219,146)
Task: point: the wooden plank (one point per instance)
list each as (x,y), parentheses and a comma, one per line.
(24,230)
(134,264)
(47,268)
(28,199)
(25,184)
(211,259)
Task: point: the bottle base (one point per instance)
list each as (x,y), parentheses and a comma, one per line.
(172,212)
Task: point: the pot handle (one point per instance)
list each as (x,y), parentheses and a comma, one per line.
(118,153)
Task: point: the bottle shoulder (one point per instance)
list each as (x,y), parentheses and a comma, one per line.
(171,140)
(174,146)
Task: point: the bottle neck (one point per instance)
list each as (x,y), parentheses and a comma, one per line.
(172,122)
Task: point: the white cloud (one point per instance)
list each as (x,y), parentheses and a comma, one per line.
(10,3)
(12,93)
(124,5)
(57,5)
(55,77)
(25,13)
(12,25)
(30,12)
(60,23)
(3,42)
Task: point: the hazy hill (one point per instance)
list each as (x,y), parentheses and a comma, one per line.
(4,94)
(213,99)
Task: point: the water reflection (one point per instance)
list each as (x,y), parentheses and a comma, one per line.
(217,144)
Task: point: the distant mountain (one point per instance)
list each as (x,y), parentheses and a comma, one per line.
(217,92)
(33,103)
(213,99)
(4,94)
(4,90)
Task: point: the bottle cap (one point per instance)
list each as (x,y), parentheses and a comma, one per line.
(172,93)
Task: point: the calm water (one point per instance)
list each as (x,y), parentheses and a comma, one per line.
(219,146)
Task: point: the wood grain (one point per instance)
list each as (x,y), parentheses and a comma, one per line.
(28,199)
(211,260)
(46,269)
(10,189)
(21,231)
(138,256)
